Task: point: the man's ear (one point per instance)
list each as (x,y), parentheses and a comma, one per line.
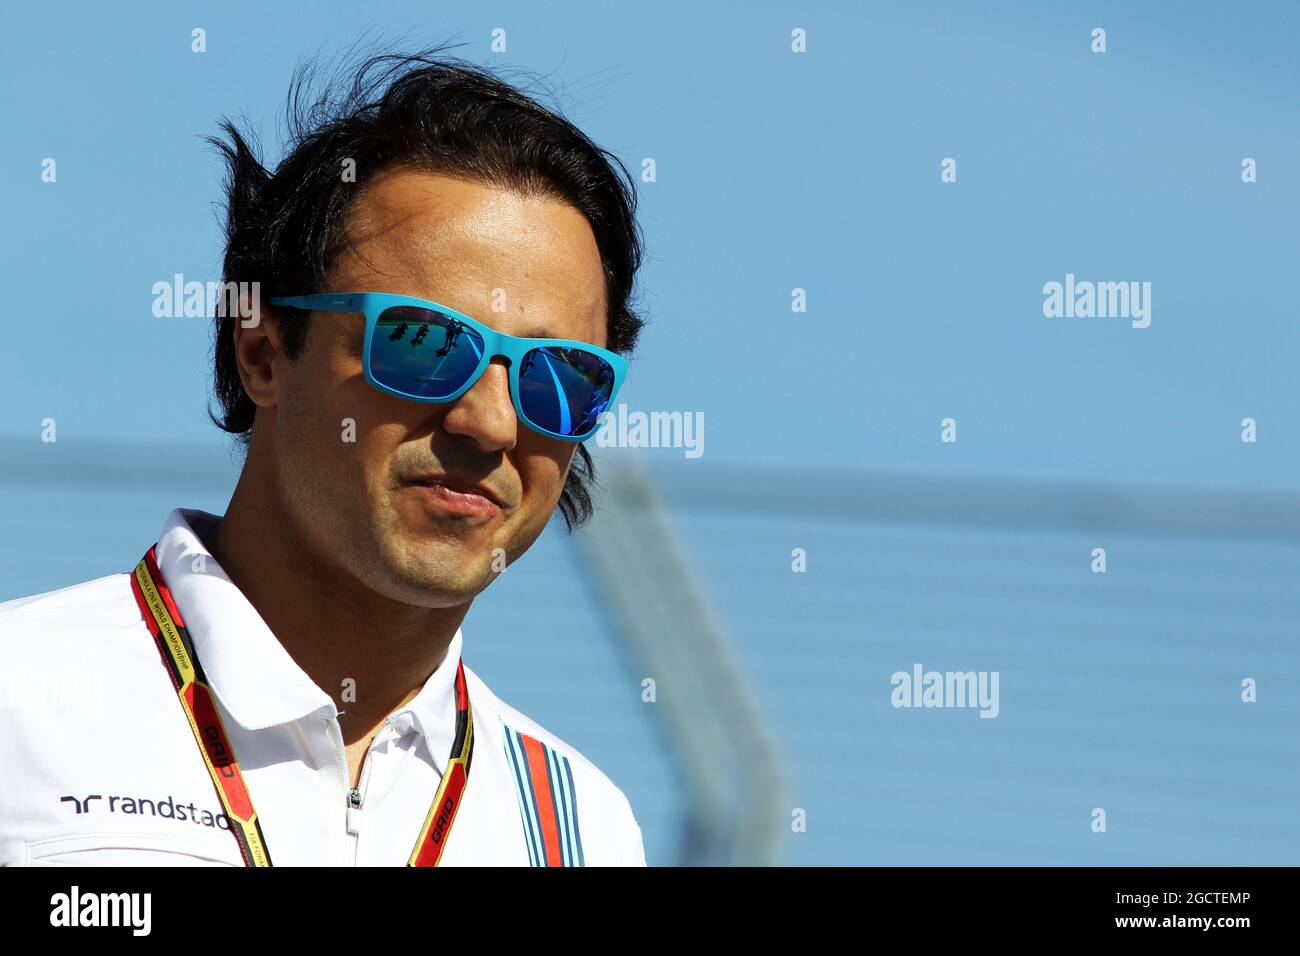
(257,345)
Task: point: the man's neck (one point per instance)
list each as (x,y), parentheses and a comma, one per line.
(333,626)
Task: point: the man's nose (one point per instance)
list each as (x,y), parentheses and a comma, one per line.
(485,414)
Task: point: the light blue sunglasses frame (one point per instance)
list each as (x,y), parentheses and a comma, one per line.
(374,304)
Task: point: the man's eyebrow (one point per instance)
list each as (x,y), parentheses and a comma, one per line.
(539,332)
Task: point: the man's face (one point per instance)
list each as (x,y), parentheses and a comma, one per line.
(523,266)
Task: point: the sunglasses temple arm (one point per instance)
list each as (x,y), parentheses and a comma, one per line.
(322,302)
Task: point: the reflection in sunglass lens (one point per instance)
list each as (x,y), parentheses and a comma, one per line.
(423,353)
(564,390)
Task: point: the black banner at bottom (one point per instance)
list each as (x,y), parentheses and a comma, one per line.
(370,905)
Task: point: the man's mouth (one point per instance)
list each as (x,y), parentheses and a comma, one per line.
(457,497)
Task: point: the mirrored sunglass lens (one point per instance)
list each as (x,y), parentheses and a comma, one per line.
(423,353)
(564,390)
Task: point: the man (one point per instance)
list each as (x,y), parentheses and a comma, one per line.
(283,685)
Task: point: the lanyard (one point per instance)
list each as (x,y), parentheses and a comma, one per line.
(168,629)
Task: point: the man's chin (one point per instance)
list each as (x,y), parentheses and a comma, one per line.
(441,554)
(443,573)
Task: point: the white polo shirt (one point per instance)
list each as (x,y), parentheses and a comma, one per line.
(100,765)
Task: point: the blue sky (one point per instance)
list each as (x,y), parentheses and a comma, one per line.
(775,171)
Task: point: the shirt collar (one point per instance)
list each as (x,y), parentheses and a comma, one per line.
(432,712)
(247,667)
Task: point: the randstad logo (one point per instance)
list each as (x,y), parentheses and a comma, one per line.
(168,809)
(102,909)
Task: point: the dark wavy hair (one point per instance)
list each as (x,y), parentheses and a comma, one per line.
(285,229)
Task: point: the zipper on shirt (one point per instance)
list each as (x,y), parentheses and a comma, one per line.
(354,820)
(356,795)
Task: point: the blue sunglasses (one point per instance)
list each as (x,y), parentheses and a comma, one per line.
(426,352)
